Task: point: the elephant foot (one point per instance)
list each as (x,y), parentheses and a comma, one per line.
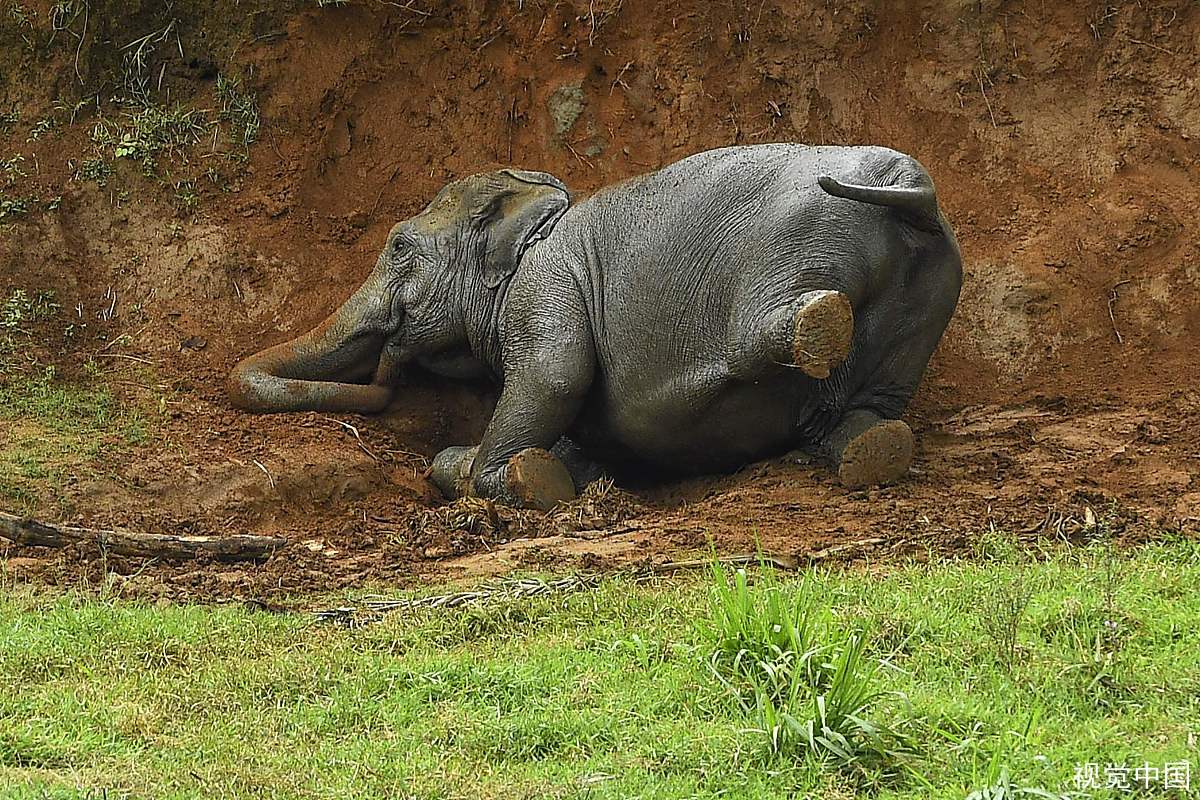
(451,471)
(822,332)
(536,479)
(879,455)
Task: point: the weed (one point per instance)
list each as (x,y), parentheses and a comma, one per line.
(10,118)
(22,16)
(332,3)
(1003,789)
(136,73)
(216,179)
(1001,608)
(96,170)
(11,169)
(21,309)
(72,111)
(41,128)
(150,132)
(809,686)
(240,109)
(14,208)
(186,197)
(64,13)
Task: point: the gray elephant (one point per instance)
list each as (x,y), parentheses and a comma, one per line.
(735,305)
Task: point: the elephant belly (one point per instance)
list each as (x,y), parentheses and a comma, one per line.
(721,427)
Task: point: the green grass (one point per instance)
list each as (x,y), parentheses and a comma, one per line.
(55,430)
(627,691)
(240,109)
(51,429)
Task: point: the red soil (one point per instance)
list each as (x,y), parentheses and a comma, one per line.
(1064,139)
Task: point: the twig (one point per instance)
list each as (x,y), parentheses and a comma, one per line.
(618,80)
(375,606)
(423,459)
(391,177)
(1150,45)
(511,118)
(582,160)
(1112,299)
(406,7)
(270,480)
(274,144)
(490,39)
(242,547)
(128,358)
(979,77)
(86,10)
(354,431)
(122,337)
(745,559)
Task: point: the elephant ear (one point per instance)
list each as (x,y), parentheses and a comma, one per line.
(525,211)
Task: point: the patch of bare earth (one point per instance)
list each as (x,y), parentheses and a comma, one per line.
(1065,145)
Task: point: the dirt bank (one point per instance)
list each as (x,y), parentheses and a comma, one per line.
(1064,140)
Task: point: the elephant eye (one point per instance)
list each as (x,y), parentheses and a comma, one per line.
(401,245)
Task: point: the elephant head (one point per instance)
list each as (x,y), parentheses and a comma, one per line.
(433,295)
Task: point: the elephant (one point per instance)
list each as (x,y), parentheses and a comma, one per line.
(736,305)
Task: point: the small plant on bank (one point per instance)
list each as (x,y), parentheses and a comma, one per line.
(240,109)
(11,169)
(1002,788)
(96,170)
(41,128)
(21,308)
(9,118)
(186,196)
(809,686)
(150,132)
(12,208)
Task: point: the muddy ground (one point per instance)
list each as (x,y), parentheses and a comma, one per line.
(1064,139)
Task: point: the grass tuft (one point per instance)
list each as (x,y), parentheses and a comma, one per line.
(239,108)
(807,682)
(150,132)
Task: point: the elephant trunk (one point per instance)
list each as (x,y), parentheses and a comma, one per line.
(317,370)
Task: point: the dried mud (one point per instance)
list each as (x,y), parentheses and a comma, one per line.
(1064,139)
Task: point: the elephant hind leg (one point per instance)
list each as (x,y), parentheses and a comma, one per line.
(868,450)
(813,333)
(582,468)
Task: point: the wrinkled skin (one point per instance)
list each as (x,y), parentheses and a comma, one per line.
(735,305)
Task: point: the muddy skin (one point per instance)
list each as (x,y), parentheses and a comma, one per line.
(737,304)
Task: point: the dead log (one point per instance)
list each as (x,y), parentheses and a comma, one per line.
(242,547)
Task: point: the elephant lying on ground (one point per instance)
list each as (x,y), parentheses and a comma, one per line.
(737,304)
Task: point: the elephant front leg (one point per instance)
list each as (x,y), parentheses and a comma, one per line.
(451,469)
(867,450)
(513,463)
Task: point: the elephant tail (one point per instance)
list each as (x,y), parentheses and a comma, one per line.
(917,200)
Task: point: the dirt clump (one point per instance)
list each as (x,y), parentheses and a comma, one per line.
(1064,141)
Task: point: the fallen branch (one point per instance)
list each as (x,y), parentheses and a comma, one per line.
(243,547)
